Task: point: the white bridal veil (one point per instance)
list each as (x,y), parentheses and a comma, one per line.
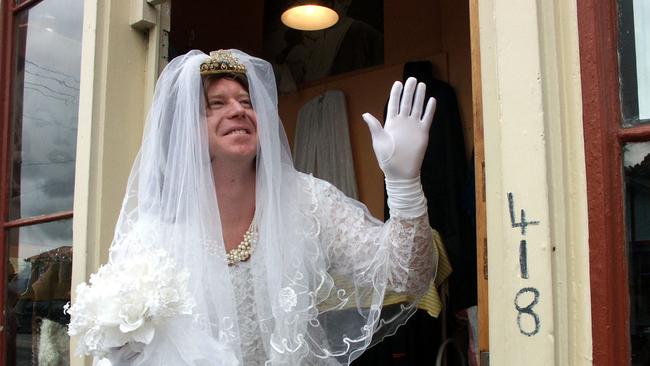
(307,313)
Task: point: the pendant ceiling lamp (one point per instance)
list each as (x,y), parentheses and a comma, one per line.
(309,16)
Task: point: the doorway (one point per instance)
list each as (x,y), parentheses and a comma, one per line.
(436,32)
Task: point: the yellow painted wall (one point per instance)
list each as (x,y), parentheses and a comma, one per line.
(116,74)
(534,161)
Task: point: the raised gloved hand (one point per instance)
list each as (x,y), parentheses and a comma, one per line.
(400,146)
(401,143)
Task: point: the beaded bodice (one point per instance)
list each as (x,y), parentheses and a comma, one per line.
(252,346)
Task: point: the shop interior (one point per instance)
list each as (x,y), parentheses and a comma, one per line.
(353,64)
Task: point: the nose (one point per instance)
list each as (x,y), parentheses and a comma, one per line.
(236,109)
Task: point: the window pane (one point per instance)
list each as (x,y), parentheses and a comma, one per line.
(45,101)
(634,55)
(39,277)
(637,207)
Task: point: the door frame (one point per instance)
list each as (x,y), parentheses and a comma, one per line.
(604,137)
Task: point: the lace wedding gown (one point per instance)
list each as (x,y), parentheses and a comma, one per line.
(350,237)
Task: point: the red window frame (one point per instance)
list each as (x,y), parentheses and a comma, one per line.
(8,11)
(604,138)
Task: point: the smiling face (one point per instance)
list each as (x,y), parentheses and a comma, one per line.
(232,123)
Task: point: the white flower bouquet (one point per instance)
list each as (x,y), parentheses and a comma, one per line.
(126,300)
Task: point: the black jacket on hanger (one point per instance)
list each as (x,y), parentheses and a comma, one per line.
(445,180)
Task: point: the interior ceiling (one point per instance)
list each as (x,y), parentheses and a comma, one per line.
(209,25)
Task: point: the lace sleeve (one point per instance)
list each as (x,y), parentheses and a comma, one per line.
(361,248)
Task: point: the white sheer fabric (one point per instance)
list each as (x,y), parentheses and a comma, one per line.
(322,142)
(312,292)
(356,246)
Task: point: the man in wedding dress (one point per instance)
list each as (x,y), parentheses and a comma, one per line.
(278,267)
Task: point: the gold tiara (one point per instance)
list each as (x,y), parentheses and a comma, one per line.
(222,62)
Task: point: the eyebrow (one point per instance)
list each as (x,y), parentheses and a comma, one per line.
(221,95)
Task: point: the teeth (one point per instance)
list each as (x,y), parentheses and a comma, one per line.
(237,132)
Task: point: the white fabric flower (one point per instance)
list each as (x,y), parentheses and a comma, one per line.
(125,300)
(287,299)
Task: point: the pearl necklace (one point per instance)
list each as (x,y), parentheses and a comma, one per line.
(243,251)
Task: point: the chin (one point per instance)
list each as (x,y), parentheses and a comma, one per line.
(248,152)
(243,155)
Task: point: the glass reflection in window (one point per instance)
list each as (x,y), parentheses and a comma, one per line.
(39,276)
(637,214)
(47,49)
(634,60)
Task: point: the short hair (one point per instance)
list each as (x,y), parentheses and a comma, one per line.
(208,79)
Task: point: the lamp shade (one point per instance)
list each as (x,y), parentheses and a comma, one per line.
(309,17)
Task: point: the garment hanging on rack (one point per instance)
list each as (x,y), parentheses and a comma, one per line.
(447,181)
(322,142)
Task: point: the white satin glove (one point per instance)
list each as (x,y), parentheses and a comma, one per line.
(400,145)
